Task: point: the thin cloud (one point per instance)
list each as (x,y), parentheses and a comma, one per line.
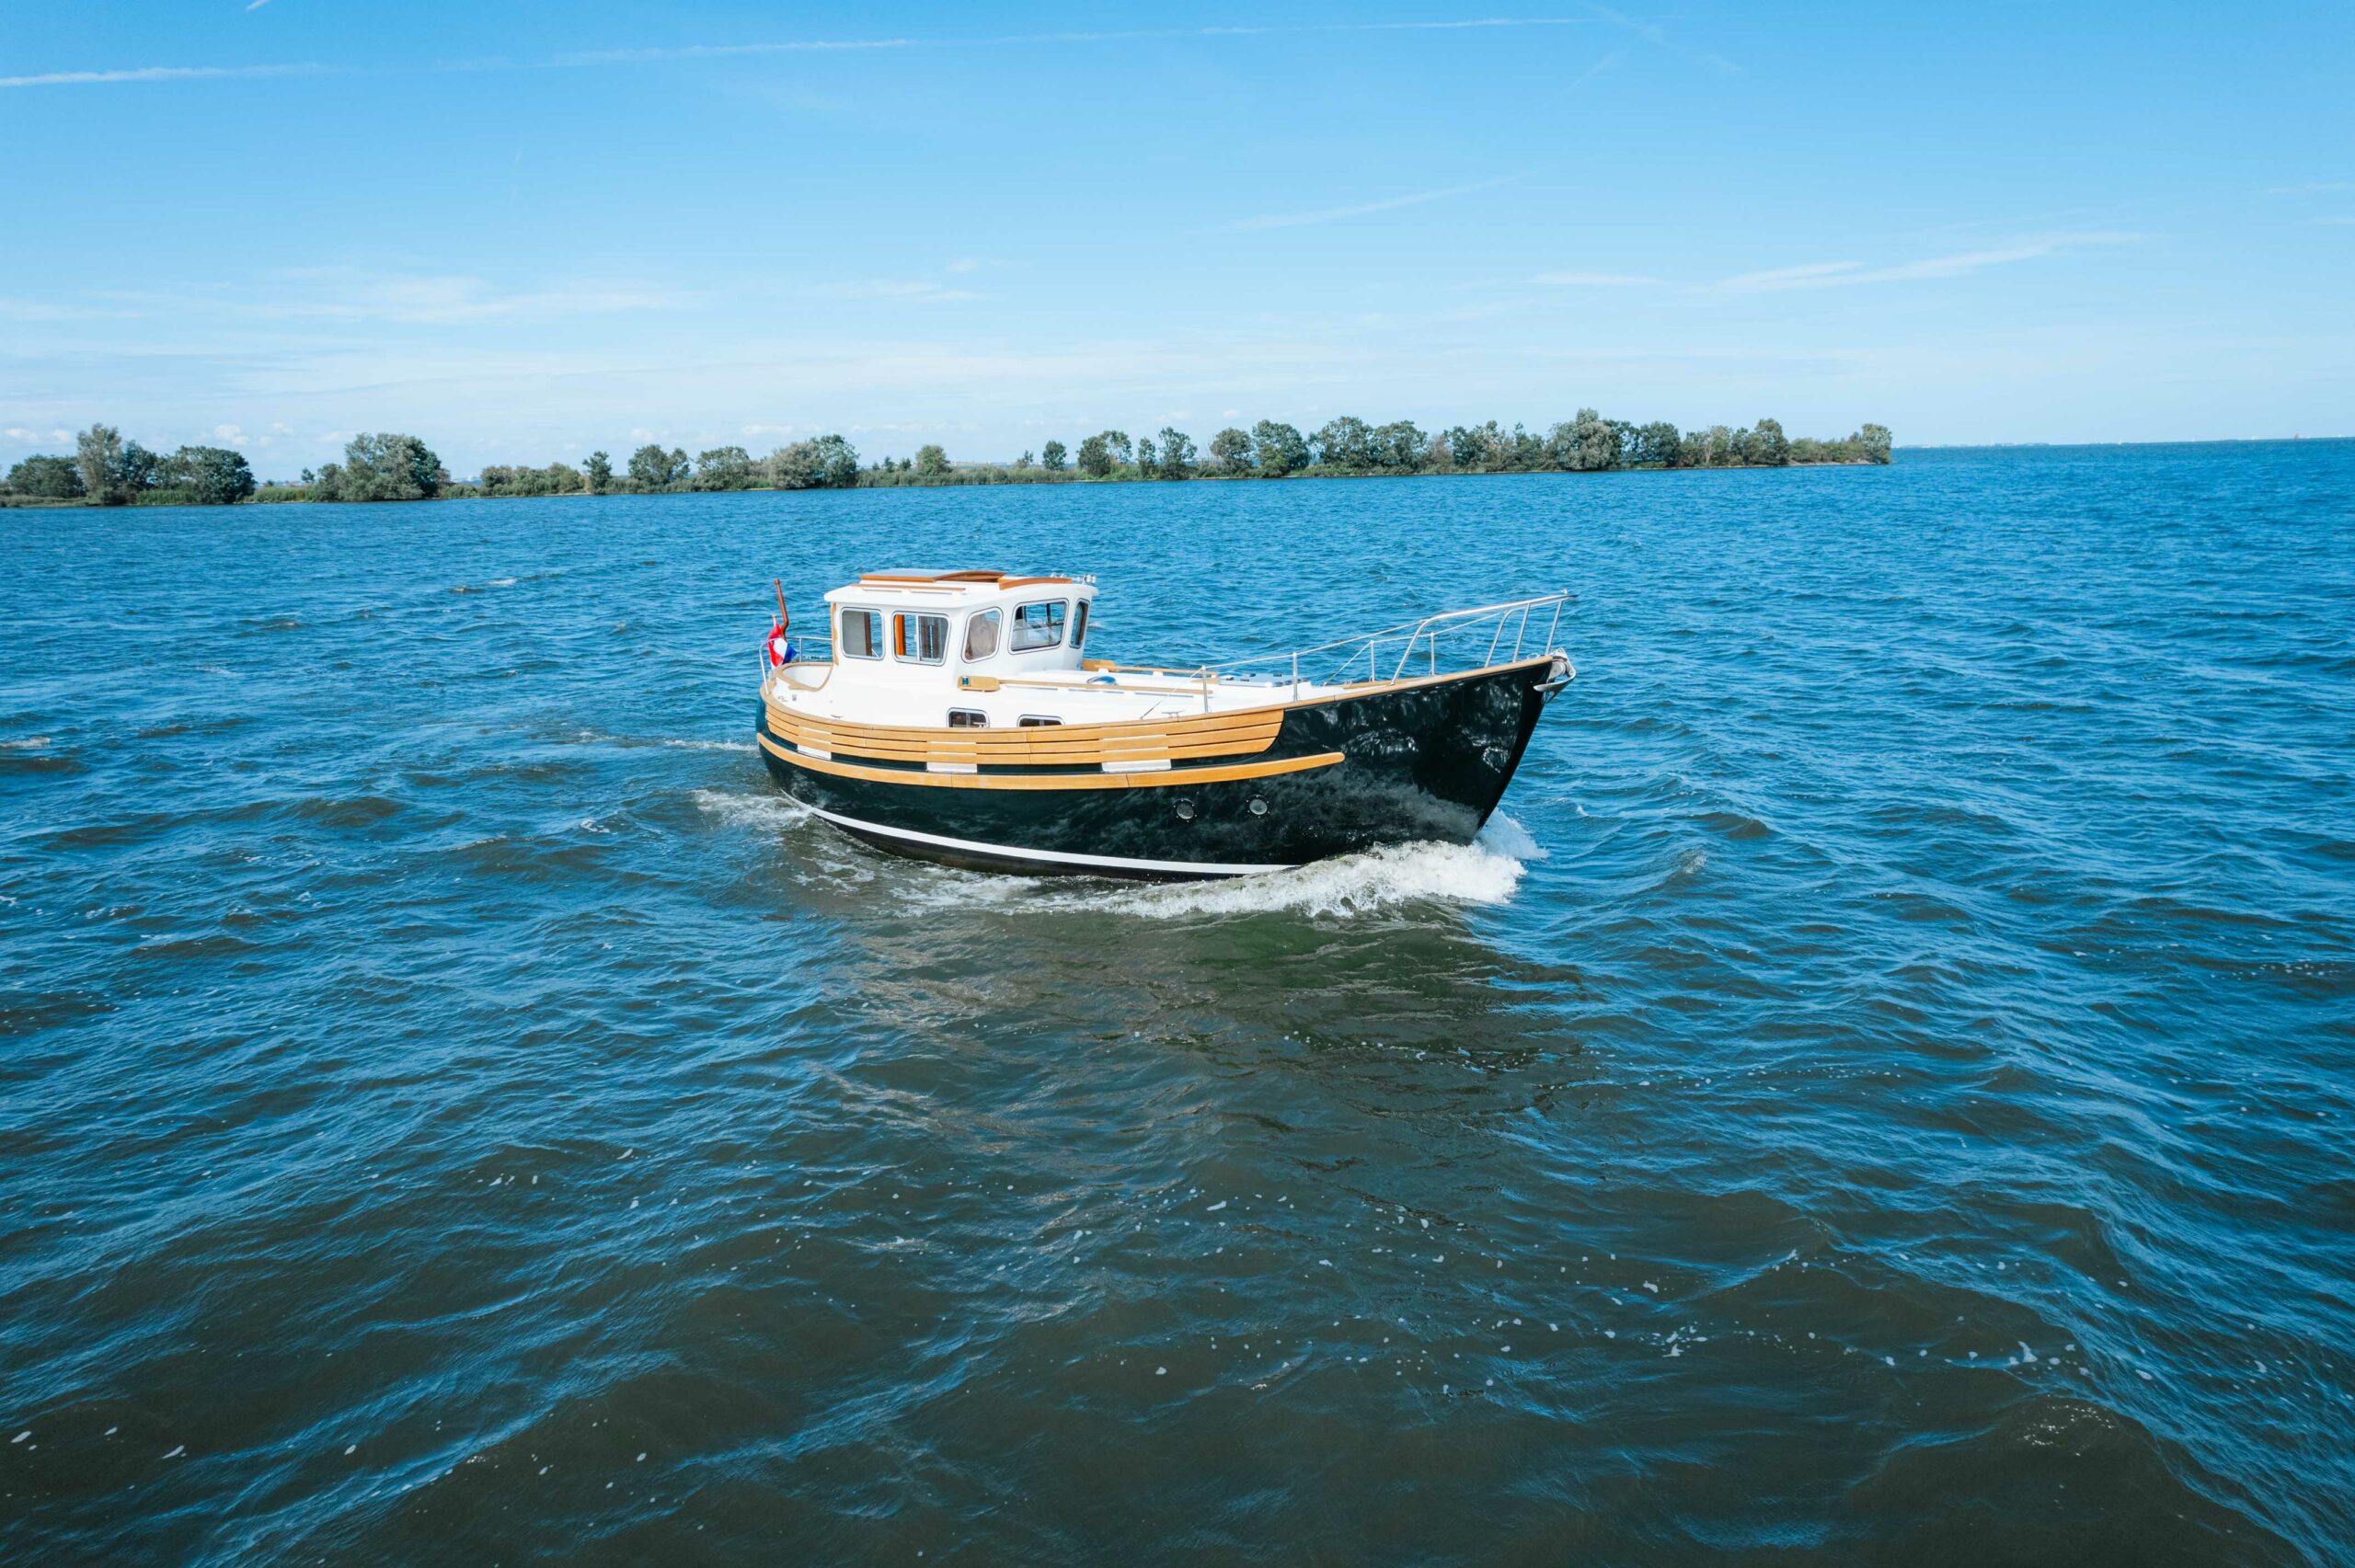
(330,294)
(1594,279)
(157,73)
(1364,209)
(914,290)
(791,46)
(1840,274)
(1123,35)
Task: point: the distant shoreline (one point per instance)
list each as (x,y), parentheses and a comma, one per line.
(105,470)
(967,477)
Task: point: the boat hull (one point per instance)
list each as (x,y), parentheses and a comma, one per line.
(1416,760)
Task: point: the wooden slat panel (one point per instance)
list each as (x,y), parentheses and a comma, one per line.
(1175,778)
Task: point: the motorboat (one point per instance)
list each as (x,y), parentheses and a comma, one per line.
(956,716)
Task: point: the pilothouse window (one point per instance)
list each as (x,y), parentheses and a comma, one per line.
(920,639)
(862,635)
(1038,626)
(981,636)
(1079,625)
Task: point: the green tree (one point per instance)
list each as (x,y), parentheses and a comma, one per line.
(828,462)
(1346,443)
(1177,454)
(1025,460)
(1148,460)
(655,469)
(1768,445)
(1656,442)
(1587,445)
(1231,450)
(1281,449)
(207,476)
(383,467)
(931,460)
(1400,445)
(838,462)
(1873,441)
(1052,457)
(1099,452)
(48,478)
(112,470)
(1712,447)
(601,473)
(1476,446)
(724,468)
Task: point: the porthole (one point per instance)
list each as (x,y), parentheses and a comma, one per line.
(1185,811)
(1258,806)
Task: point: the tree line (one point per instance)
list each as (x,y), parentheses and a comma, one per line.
(113,472)
(393,467)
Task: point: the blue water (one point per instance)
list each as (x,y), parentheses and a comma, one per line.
(1884,1093)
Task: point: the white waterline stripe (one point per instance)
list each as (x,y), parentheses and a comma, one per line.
(1060,857)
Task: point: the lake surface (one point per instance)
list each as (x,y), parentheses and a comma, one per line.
(1886,1090)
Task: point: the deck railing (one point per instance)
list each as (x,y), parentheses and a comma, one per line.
(1448,643)
(814,649)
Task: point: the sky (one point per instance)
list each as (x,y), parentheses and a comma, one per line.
(523,231)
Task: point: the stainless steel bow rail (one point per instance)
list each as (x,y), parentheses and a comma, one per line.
(1418,645)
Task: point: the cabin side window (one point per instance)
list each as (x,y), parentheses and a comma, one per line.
(981,636)
(862,633)
(920,639)
(1037,625)
(968,718)
(1036,721)
(1079,624)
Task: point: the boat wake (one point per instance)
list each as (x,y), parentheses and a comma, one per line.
(1484,872)
(1370,883)
(766,812)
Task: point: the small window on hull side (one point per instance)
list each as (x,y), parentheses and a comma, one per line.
(862,635)
(981,636)
(966,718)
(1036,721)
(1037,625)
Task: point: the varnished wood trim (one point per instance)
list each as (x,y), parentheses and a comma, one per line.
(1014,747)
(1175,778)
(1189,728)
(1076,759)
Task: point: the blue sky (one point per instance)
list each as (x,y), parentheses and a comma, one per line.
(523,231)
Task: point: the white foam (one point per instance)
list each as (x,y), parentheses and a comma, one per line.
(769,813)
(713,745)
(1349,884)
(30,743)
